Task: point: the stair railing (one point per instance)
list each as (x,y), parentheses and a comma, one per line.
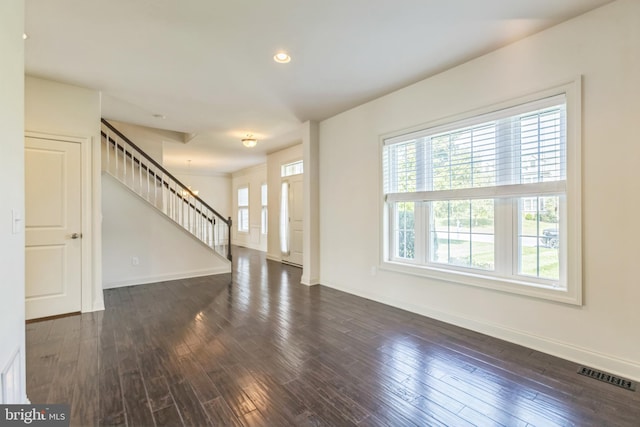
(130,165)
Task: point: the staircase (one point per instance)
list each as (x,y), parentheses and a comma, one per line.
(126,162)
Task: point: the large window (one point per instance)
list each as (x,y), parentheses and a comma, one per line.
(483,200)
(243,209)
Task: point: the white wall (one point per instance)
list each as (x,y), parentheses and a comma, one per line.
(12,172)
(274,181)
(61,108)
(149,140)
(133,228)
(66,110)
(311,235)
(153,241)
(215,190)
(253,178)
(602,46)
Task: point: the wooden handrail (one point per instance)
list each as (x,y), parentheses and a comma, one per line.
(159,178)
(228,222)
(164,171)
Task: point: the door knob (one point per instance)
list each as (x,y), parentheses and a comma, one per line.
(76,235)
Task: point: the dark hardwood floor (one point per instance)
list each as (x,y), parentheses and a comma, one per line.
(256,348)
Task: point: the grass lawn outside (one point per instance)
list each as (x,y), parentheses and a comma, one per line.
(529,227)
(535,260)
(549,262)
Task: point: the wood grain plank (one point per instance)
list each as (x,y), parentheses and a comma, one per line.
(276,403)
(232,393)
(256,348)
(136,403)
(315,403)
(188,405)
(158,393)
(221,415)
(167,416)
(111,405)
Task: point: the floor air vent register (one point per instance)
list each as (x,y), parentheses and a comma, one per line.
(607,378)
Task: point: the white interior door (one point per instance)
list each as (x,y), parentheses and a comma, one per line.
(52,227)
(295,220)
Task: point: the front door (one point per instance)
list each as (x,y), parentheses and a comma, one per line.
(295,220)
(52,227)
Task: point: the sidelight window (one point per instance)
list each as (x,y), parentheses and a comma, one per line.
(243,209)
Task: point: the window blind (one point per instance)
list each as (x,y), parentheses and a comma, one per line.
(263,194)
(518,151)
(243,196)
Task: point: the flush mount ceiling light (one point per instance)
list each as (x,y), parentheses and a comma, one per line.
(282,58)
(249,141)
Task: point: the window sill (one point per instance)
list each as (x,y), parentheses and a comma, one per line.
(486,281)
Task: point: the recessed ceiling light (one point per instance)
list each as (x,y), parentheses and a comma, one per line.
(282,58)
(25,36)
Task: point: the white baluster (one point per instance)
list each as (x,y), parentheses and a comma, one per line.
(115,141)
(124,164)
(108,152)
(148,185)
(193,216)
(133,168)
(155,187)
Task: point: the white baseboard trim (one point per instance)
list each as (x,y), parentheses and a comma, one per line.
(256,247)
(97,306)
(309,282)
(272,257)
(167,277)
(605,362)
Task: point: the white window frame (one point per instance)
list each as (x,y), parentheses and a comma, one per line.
(264,214)
(243,209)
(570,204)
(292,168)
(285,230)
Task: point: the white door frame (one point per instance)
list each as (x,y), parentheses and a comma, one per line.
(288,180)
(86,288)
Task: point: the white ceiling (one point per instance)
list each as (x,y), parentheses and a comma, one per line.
(206,65)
